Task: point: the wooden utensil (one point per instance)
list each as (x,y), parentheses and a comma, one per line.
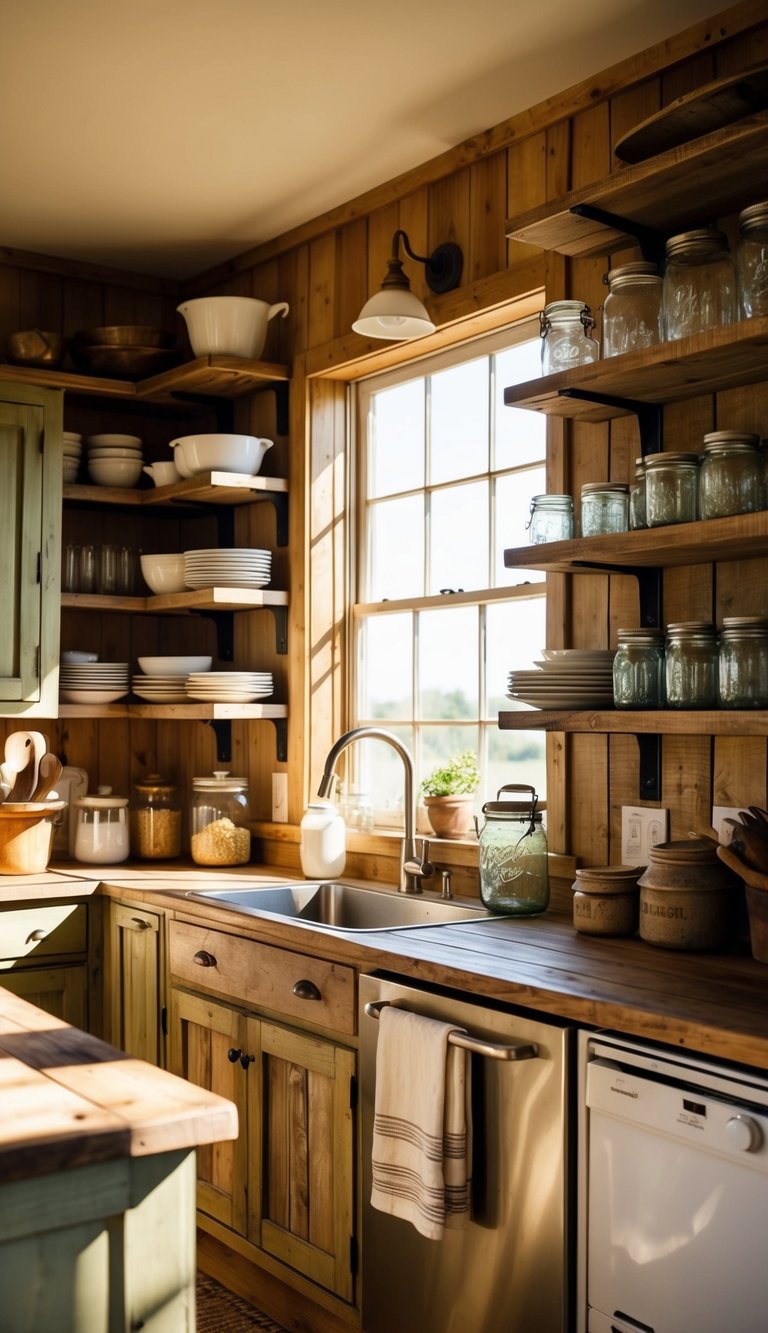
(19,753)
(48,774)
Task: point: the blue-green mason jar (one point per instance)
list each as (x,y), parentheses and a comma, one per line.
(638,669)
(514,876)
(691,665)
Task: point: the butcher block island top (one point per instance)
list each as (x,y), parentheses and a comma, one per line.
(69,1100)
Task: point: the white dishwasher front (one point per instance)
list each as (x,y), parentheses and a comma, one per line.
(676,1182)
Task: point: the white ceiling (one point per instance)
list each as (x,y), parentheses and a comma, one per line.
(166,136)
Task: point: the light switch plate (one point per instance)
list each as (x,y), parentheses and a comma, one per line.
(642,827)
(279,798)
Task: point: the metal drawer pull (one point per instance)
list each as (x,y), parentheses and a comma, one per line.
(36,936)
(233,1055)
(306,990)
(139,923)
(494,1050)
(204,959)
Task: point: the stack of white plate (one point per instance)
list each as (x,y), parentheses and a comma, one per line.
(231,687)
(241,567)
(93,682)
(160,689)
(73,448)
(566,678)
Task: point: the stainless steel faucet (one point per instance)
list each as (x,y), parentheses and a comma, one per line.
(413,869)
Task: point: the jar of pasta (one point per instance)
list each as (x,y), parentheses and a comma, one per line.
(155,819)
(220,821)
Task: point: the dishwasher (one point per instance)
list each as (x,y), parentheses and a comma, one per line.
(673,1190)
(507,1270)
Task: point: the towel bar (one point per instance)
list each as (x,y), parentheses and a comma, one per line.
(520,1050)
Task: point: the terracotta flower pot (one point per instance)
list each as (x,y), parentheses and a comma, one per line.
(450,816)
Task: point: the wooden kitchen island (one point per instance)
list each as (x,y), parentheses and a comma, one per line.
(97,1181)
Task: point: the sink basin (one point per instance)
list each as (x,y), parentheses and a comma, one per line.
(339,906)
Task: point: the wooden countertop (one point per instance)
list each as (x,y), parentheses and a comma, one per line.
(69,1099)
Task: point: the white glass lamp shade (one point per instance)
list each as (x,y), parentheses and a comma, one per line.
(393,313)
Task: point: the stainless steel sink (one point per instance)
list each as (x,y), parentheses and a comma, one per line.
(339,906)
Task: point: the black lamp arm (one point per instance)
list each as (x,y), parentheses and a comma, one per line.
(443,266)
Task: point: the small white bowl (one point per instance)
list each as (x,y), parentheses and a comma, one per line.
(163,573)
(174,666)
(115,471)
(111,438)
(71,655)
(219,452)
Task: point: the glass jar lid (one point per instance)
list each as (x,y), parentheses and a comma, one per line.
(219,781)
(101,802)
(609,487)
(730,439)
(640,636)
(686,628)
(640,271)
(154,782)
(697,244)
(753,218)
(553,501)
(566,312)
(671,460)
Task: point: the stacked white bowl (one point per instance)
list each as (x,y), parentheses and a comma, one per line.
(115,460)
(73,448)
(163,679)
(93,682)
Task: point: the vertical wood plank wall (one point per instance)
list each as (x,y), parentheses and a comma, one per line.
(326,269)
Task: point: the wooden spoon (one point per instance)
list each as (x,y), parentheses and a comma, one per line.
(19,753)
(48,774)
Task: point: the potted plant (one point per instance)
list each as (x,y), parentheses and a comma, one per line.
(447,793)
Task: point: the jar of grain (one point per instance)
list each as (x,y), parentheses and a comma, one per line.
(688,898)
(155,819)
(606,900)
(220,819)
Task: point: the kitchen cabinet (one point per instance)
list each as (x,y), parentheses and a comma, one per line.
(286,1185)
(30,501)
(134,980)
(44,959)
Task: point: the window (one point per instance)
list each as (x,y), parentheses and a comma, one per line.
(445,476)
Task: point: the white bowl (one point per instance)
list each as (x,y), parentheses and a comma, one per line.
(163,573)
(118,451)
(115,471)
(229,325)
(174,666)
(71,655)
(112,438)
(218,452)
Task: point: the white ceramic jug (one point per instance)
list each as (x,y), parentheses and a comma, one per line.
(229,325)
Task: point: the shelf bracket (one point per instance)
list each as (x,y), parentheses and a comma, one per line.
(650,416)
(652,242)
(649,746)
(222,729)
(225,632)
(281,628)
(650,587)
(280,500)
(281,738)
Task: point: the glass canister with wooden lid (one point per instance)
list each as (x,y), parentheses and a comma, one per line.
(155,819)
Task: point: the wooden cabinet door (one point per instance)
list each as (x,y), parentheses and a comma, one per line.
(301,1195)
(30,540)
(61,991)
(133,981)
(202,1034)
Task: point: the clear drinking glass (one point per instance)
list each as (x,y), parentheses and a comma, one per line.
(106,569)
(70,568)
(87,564)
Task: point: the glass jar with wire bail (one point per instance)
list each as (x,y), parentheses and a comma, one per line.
(566,336)
(514,875)
(699,283)
(551,519)
(638,669)
(691,665)
(752,260)
(632,310)
(671,488)
(731,476)
(743,662)
(604,508)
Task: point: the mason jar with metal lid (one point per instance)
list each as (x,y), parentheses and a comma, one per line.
(731,474)
(691,664)
(514,875)
(671,488)
(752,260)
(220,818)
(604,508)
(638,669)
(566,336)
(637,511)
(551,519)
(632,310)
(699,283)
(743,662)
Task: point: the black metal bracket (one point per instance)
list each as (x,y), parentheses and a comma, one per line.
(222,729)
(652,242)
(650,587)
(281,739)
(650,416)
(649,745)
(280,500)
(281,628)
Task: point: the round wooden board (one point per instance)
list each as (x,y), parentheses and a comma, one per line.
(696,113)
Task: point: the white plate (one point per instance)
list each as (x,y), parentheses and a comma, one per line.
(235,551)
(234,697)
(160,697)
(92,696)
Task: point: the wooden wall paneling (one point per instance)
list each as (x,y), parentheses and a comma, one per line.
(449,212)
(624,787)
(351,274)
(413,217)
(689,74)
(10,320)
(740,777)
(40,301)
(630,108)
(738,52)
(293,284)
(687,783)
(526,186)
(588,799)
(83,305)
(558,169)
(322,280)
(487,210)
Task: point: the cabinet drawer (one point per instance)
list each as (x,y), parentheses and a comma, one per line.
(264,976)
(31,933)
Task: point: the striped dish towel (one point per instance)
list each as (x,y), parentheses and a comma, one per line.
(422,1152)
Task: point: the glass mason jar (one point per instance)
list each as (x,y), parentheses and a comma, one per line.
(743,662)
(220,821)
(752,260)
(637,514)
(604,508)
(551,519)
(638,669)
(101,828)
(514,875)
(155,819)
(566,336)
(691,665)
(632,310)
(671,488)
(731,474)
(699,283)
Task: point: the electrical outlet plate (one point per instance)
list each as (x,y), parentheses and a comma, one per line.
(642,827)
(279,798)
(721,813)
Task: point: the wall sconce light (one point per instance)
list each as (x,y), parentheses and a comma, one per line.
(394,312)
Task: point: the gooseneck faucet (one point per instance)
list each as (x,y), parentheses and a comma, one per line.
(413,869)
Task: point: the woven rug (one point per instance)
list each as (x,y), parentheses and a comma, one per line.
(218,1311)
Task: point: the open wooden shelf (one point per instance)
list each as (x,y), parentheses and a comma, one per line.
(199,599)
(201,712)
(212,488)
(707,178)
(621,721)
(668,373)
(204,377)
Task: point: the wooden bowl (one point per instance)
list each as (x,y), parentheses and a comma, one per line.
(26,835)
